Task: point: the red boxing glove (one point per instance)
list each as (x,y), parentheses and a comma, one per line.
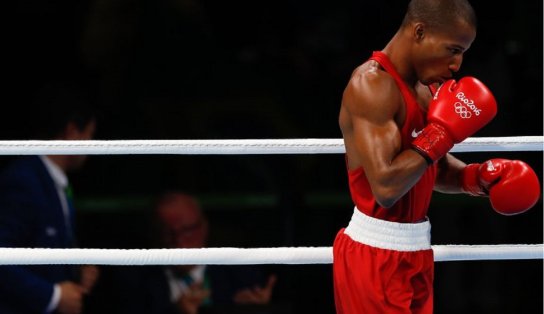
(456,111)
(512,185)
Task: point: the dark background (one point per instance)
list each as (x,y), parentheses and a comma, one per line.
(188,69)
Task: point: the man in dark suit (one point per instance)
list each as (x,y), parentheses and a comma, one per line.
(36,210)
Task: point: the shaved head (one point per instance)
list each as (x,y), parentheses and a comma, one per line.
(439,14)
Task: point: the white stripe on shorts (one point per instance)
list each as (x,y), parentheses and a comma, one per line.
(389,235)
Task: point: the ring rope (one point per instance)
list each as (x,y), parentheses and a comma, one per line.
(238,147)
(240,256)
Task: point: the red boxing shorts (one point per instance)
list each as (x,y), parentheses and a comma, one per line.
(383,267)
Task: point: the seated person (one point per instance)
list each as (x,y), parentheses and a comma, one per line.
(187,289)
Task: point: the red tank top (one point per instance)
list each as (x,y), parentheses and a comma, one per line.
(413,206)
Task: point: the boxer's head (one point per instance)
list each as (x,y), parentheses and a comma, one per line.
(439,32)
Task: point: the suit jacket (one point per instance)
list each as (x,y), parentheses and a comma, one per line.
(31,216)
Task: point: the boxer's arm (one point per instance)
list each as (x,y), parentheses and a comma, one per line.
(448,175)
(371,103)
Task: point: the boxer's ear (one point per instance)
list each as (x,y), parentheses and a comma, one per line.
(419,31)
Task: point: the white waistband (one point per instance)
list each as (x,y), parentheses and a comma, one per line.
(389,235)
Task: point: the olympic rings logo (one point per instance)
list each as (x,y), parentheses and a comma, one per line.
(462,111)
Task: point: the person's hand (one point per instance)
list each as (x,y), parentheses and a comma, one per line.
(89,276)
(71,295)
(257,295)
(457,111)
(512,185)
(192,299)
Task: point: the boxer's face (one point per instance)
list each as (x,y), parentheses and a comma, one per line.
(438,54)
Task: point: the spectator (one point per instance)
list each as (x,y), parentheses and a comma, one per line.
(36,209)
(188,289)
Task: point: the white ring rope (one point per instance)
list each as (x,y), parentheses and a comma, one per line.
(238,147)
(239,256)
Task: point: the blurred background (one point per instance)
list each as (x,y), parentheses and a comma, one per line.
(190,69)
